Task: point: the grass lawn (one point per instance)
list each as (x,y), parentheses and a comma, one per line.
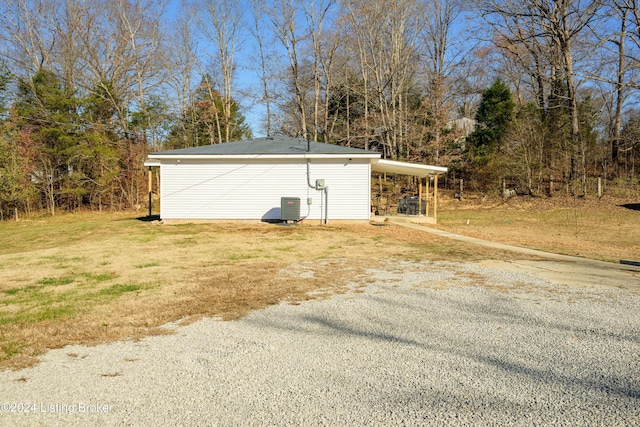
(87,278)
(90,278)
(605,229)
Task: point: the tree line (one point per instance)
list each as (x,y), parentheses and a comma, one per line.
(89,87)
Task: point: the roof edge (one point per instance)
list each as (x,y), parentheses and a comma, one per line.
(160,156)
(404,168)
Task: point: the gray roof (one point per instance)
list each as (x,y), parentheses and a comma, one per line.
(277,145)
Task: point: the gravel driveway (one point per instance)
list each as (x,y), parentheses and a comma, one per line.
(425,344)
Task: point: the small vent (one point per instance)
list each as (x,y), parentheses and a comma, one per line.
(290,208)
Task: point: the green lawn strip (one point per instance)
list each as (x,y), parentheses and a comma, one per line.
(57,281)
(115,291)
(35,303)
(148,265)
(8,349)
(41,304)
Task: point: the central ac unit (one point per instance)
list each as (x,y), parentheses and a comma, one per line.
(290,208)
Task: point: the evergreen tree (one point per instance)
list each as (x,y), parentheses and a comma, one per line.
(494,115)
(202,124)
(48,115)
(103,144)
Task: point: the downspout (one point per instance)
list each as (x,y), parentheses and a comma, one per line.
(326,205)
(309,180)
(309,175)
(325,190)
(315,187)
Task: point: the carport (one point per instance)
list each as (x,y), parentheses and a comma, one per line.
(428,172)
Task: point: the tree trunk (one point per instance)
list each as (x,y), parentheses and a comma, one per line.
(617,120)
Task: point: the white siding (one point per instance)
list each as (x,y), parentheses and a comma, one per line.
(215,189)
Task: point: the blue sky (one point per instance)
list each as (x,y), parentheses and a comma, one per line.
(245,80)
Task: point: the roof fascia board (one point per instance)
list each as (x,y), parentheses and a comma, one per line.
(259,156)
(404,168)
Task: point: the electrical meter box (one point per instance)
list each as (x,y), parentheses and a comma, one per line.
(319,184)
(290,208)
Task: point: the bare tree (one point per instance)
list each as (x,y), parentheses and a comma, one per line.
(557,25)
(264,56)
(139,27)
(623,13)
(622,28)
(67,25)
(386,37)
(283,17)
(331,61)
(315,13)
(436,40)
(121,58)
(184,62)
(222,24)
(26,37)
(631,8)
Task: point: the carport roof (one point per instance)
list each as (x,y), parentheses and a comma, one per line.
(404,168)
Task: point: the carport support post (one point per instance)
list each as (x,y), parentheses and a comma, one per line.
(435,197)
(420,196)
(150,189)
(427,179)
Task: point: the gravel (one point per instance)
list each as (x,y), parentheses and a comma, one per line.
(428,343)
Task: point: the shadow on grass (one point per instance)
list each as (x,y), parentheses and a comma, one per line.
(149,218)
(632,206)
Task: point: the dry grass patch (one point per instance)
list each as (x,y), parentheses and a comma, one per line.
(92,278)
(605,229)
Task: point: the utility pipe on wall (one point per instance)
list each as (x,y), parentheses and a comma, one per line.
(326,205)
(309,175)
(309,182)
(324,189)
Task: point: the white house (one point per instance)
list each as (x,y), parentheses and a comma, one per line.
(247,180)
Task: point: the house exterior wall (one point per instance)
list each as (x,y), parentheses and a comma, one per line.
(251,189)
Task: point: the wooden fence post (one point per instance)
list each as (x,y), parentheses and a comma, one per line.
(599,187)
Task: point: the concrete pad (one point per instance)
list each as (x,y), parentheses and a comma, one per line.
(571,273)
(400,218)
